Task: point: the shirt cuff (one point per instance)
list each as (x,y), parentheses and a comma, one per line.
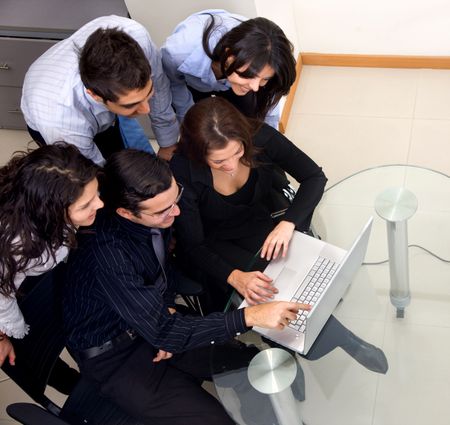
(235,322)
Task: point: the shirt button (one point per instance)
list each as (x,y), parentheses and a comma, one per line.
(212,342)
(238,333)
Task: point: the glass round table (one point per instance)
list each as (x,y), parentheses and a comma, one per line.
(334,388)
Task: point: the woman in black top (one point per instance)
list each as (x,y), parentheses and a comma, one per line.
(225,162)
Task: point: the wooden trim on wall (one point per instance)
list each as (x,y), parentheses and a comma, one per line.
(365,61)
(290,97)
(376,61)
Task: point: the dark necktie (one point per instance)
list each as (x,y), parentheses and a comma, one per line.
(160,251)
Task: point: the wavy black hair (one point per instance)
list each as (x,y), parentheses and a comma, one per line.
(257,42)
(37,188)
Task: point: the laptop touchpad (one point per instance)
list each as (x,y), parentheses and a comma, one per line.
(285,282)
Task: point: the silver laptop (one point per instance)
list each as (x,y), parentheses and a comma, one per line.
(317,273)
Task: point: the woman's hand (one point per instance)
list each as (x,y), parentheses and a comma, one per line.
(274,315)
(278,239)
(255,287)
(6,351)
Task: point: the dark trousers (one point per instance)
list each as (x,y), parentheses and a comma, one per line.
(108,141)
(168,392)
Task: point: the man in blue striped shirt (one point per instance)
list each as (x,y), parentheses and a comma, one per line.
(110,68)
(119,310)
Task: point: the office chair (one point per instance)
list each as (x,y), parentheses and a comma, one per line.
(36,355)
(189,290)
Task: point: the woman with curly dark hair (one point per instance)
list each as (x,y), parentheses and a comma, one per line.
(45,195)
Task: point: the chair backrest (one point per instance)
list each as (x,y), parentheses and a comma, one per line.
(37,353)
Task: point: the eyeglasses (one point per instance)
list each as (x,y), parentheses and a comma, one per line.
(162,215)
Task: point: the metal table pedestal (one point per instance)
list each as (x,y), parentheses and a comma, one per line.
(396,205)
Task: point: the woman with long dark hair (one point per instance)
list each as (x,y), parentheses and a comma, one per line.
(247,61)
(45,195)
(224,162)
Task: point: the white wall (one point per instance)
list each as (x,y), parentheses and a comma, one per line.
(283,13)
(396,27)
(161,16)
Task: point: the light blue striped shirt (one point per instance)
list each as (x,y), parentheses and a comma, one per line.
(55,102)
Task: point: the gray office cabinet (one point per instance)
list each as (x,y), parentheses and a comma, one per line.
(27,29)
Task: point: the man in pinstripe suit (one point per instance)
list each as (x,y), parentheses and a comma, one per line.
(120,316)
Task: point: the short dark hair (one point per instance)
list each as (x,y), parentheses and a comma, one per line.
(112,63)
(256,42)
(132,176)
(37,188)
(210,124)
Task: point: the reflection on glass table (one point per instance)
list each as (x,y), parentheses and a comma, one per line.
(336,389)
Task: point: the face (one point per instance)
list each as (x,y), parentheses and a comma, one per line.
(161,210)
(226,159)
(83,211)
(241,86)
(133,103)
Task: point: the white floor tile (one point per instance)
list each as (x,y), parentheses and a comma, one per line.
(416,388)
(430,144)
(374,92)
(11,141)
(433,94)
(346,145)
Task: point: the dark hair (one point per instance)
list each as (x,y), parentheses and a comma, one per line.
(37,188)
(132,176)
(257,42)
(210,124)
(112,63)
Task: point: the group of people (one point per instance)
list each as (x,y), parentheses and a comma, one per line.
(202,205)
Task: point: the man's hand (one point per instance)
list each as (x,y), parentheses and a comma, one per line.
(167,152)
(255,287)
(7,351)
(278,240)
(162,355)
(273,315)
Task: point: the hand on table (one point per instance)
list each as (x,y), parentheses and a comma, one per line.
(255,287)
(278,240)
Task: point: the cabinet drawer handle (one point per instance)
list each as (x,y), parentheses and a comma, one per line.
(4,66)
(14,111)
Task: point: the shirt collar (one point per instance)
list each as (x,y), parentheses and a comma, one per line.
(136,230)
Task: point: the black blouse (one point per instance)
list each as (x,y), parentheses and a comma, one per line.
(208,215)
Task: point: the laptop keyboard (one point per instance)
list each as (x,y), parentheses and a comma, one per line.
(312,287)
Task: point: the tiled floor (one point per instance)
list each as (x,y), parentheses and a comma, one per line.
(348,120)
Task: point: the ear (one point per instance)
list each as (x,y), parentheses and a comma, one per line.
(123,212)
(94,96)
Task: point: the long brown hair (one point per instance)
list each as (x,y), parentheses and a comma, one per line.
(210,124)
